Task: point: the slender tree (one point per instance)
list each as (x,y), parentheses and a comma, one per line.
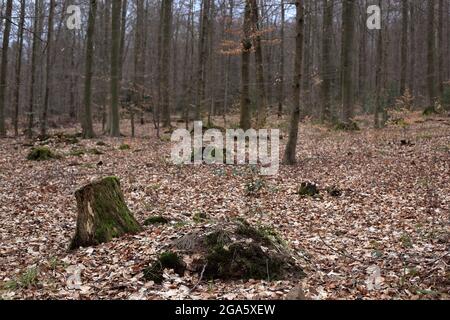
(290,152)
(260,83)
(430,53)
(326,65)
(348,13)
(379,75)
(404,47)
(246,48)
(49,69)
(115,66)
(166,41)
(281,71)
(4,66)
(19,67)
(88,130)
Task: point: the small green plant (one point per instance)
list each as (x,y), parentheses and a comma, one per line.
(26,280)
(254,186)
(199,216)
(167,260)
(406,241)
(156,220)
(124,147)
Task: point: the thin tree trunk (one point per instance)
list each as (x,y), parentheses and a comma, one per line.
(19,68)
(430,54)
(346,59)
(379,76)
(166,40)
(441,49)
(327,66)
(4,66)
(49,69)
(262,97)
(281,71)
(404,47)
(115,68)
(88,130)
(245,121)
(34,53)
(290,152)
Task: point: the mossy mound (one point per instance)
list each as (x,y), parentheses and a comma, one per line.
(334,191)
(61,137)
(124,147)
(155,220)
(167,260)
(41,154)
(236,250)
(431,110)
(344,126)
(308,189)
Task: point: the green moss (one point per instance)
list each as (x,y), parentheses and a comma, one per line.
(351,126)
(156,220)
(431,110)
(124,147)
(307,189)
(41,154)
(106,226)
(167,260)
(77,153)
(199,216)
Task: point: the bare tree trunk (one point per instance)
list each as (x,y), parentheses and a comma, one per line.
(4,66)
(49,69)
(430,54)
(404,47)
(245,121)
(88,130)
(18,68)
(379,76)
(139,65)
(202,53)
(348,11)
(412,67)
(262,97)
(291,148)
(115,67)
(166,40)
(281,71)
(441,49)
(327,66)
(34,53)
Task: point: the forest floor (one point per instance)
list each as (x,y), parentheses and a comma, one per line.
(386,237)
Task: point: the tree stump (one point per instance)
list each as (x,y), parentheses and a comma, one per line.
(102,214)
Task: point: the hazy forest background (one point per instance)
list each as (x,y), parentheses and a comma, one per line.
(359,209)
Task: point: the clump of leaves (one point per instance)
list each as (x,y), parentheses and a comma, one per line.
(167,260)
(308,189)
(124,147)
(156,220)
(101,144)
(41,154)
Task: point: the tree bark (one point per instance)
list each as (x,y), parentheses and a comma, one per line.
(88,130)
(346,59)
(115,66)
(289,155)
(430,54)
(245,121)
(49,67)
(4,66)
(18,68)
(327,66)
(102,214)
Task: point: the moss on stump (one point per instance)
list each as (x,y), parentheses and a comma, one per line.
(102,214)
